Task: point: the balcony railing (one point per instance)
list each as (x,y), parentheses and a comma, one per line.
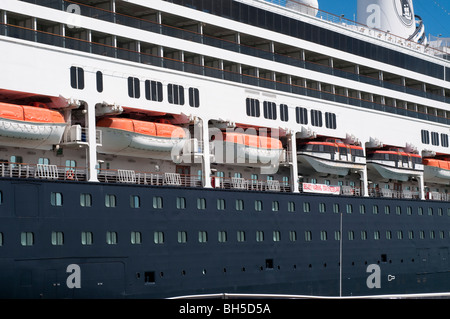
(145,58)
(54,172)
(151,26)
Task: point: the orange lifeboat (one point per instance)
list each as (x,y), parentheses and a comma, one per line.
(331,156)
(437,170)
(395,163)
(30,126)
(246,148)
(138,138)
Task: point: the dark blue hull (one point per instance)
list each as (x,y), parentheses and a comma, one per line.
(193,246)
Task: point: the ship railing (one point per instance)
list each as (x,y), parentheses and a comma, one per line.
(147,58)
(42,171)
(390,193)
(239,183)
(438,196)
(190,35)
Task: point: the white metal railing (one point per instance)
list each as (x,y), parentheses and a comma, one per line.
(46,171)
(42,171)
(362,29)
(54,172)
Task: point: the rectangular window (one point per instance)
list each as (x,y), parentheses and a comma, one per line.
(175,94)
(330,120)
(301,115)
(444,140)
(435,138)
(276,235)
(201,203)
(337,235)
(56,199)
(363,235)
(362,209)
(136,237)
(153,91)
(308,235)
(87,238)
(57,238)
(85,200)
(351,235)
(270,110)
(292,235)
(111,238)
(291,207)
(99,78)
(222,236)
(110,200)
(202,237)
(284,112)
(181,202)
(275,206)
(252,107)
(27,239)
(239,204)
(194,97)
(376,235)
(322,208)
(77,78)
(316,118)
(349,208)
(306,207)
(425,137)
(258,205)
(157,202)
(158,237)
(134,87)
(336,208)
(182,237)
(135,201)
(220,204)
(259,236)
(240,236)
(323,235)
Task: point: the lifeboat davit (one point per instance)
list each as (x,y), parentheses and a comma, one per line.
(30,126)
(395,163)
(437,170)
(124,136)
(331,156)
(241,148)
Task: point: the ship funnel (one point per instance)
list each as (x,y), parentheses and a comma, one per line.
(395,16)
(310,7)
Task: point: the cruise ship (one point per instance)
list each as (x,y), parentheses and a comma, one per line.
(169,148)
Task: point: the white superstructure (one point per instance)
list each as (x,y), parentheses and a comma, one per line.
(220,68)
